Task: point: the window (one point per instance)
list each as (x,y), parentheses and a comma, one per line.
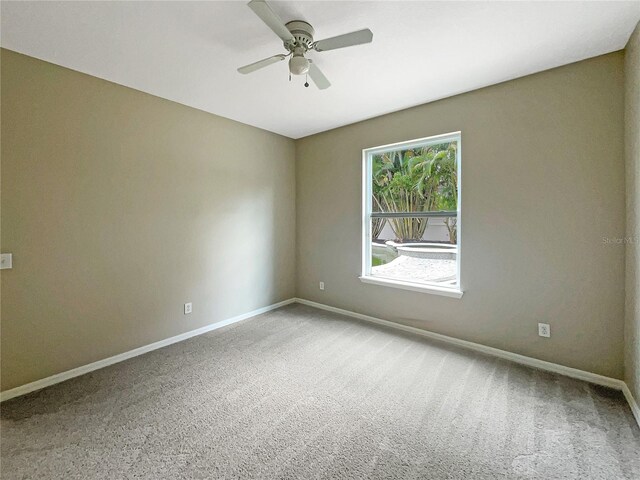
(411,215)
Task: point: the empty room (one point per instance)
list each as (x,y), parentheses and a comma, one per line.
(320,240)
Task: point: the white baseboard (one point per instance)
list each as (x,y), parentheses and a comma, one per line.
(514,357)
(632,402)
(61,377)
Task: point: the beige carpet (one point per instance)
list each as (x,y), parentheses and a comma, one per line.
(301,393)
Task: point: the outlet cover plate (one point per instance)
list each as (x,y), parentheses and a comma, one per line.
(544,330)
(6,261)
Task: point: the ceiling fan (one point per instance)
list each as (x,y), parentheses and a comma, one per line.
(297,36)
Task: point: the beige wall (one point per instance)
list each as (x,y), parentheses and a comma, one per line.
(542,184)
(632,149)
(119,207)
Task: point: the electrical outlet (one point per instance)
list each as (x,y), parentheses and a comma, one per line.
(6,260)
(544,330)
(321,285)
(188,308)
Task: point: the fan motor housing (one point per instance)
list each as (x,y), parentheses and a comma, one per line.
(303,34)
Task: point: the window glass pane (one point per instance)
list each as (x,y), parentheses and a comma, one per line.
(418,179)
(431,258)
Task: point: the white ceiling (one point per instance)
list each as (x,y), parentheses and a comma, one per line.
(188,52)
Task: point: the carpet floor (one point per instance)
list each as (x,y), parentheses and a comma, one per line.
(301,393)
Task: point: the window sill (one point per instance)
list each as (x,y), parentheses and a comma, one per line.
(416,287)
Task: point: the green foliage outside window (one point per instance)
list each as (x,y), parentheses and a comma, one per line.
(420,179)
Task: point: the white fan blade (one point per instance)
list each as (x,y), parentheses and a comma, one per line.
(252,67)
(268,16)
(318,77)
(346,40)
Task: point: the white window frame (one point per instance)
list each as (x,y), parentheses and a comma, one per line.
(366,277)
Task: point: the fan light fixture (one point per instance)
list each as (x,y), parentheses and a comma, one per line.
(298,65)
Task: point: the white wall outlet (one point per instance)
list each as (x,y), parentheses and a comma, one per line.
(321,285)
(544,330)
(6,261)
(188,308)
